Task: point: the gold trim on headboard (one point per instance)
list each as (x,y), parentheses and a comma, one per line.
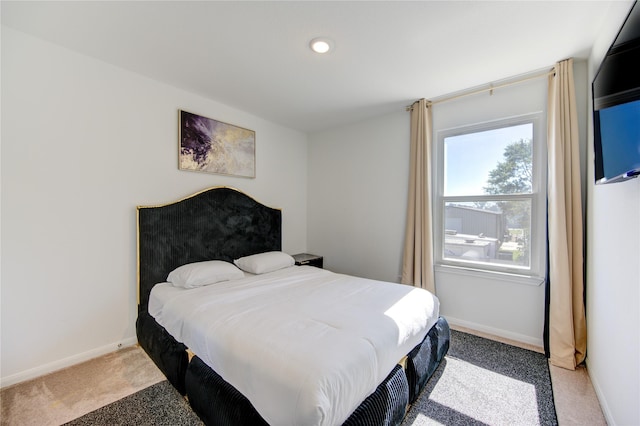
(139,207)
(205,190)
(138,255)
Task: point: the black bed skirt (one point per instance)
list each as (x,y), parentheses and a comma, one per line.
(423,360)
(387,405)
(215,400)
(218,403)
(228,407)
(169,355)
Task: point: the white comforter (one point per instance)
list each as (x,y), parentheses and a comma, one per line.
(306,346)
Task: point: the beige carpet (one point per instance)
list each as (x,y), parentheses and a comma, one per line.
(576,401)
(70,393)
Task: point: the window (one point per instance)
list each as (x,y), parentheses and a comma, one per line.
(490,207)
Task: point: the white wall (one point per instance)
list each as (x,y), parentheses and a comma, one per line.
(358,177)
(613,280)
(83,143)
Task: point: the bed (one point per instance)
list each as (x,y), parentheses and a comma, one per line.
(224,226)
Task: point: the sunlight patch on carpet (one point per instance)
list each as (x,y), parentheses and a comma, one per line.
(494,397)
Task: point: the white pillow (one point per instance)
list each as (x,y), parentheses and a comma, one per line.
(264,262)
(199,274)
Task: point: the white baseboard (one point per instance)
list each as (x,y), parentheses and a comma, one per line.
(606,411)
(65,362)
(505,334)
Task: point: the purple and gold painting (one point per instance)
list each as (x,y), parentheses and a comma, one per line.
(211,146)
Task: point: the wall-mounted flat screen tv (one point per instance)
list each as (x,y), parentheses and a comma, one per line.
(616,106)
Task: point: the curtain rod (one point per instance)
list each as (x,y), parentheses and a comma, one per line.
(491,88)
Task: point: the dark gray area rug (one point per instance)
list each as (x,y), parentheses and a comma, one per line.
(483,382)
(158,405)
(480,382)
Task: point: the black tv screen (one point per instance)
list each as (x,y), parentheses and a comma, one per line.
(616,106)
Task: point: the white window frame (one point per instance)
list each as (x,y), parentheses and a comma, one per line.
(536,271)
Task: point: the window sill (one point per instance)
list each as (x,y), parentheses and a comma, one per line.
(494,275)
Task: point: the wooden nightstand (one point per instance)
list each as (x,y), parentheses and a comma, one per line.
(308,259)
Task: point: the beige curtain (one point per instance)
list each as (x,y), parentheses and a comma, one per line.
(566,322)
(417,264)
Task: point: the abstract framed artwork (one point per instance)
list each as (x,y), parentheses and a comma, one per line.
(211,146)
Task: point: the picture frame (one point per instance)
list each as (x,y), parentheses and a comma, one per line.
(212,146)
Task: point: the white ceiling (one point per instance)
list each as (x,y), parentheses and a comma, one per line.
(254,56)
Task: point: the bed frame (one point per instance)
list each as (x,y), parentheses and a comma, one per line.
(224,223)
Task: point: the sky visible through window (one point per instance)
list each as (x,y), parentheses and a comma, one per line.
(470,157)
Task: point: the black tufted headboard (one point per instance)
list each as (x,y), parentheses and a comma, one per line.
(217,223)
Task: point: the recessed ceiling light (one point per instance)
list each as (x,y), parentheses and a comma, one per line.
(320,45)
